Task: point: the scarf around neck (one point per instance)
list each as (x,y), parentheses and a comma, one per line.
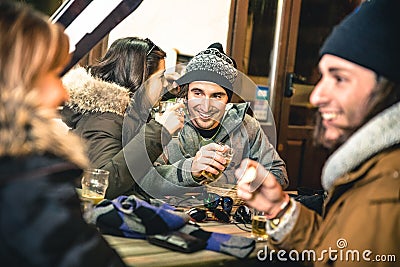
(380,133)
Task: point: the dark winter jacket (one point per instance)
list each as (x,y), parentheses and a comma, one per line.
(112,125)
(40,217)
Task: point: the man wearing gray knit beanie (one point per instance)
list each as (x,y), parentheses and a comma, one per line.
(212,126)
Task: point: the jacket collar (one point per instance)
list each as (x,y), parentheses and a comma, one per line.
(28,129)
(375,136)
(90,94)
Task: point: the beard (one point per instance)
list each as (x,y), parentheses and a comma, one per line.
(214,119)
(329,144)
(205,125)
(383,96)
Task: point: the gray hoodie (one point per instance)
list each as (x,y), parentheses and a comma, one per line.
(172,171)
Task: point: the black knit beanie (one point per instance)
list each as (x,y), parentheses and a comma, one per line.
(370,38)
(211,65)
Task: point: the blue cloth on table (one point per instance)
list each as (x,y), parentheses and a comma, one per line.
(237,246)
(129,216)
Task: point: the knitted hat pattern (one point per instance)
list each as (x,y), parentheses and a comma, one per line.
(213,60)
(211,65)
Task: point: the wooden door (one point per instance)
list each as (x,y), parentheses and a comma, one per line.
(286,60)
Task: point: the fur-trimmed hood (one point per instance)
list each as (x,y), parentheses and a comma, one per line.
(90,94)
(28,129)
(380,133)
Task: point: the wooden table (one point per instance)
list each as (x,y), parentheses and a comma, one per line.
(136,252)
(140,253)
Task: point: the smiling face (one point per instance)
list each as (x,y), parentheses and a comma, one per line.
(206,104)
(342,96)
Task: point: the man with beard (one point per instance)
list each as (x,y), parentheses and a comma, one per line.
(358,103)
(212,124)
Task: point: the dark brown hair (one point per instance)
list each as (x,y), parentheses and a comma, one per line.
(129,62)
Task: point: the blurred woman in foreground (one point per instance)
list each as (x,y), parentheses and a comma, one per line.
(41,223)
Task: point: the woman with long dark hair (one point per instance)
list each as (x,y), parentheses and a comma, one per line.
(101,95)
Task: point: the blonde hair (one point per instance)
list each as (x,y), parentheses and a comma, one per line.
(30,46)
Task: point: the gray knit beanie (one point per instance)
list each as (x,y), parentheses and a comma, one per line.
(211,65)
(369,37)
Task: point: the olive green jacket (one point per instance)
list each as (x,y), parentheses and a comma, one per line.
(113,126)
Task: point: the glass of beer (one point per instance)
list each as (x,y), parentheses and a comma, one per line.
(211,177)
(258,226)
(94,185)
(164,105)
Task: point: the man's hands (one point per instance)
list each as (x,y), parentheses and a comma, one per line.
(209,159)
(259,188)
(173,118)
